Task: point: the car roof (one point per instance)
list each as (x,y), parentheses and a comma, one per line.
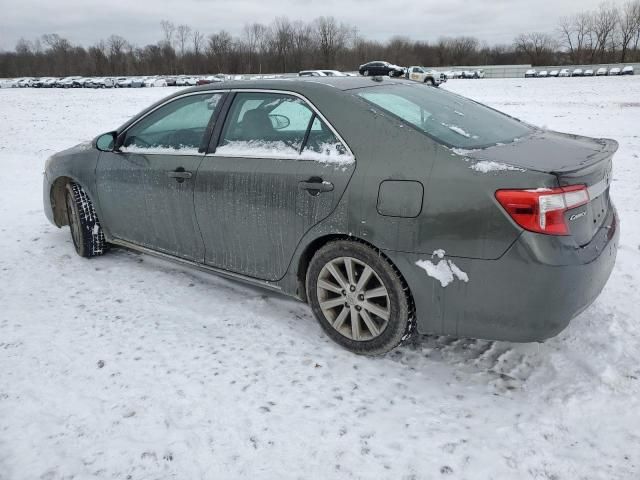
(303,85)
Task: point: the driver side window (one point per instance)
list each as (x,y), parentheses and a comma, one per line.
(265,124)
(177,127)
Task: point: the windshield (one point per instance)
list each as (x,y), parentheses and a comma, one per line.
(448,118)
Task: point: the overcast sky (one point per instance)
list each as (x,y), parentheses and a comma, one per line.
(87,21)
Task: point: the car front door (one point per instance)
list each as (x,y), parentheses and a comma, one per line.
(145,187)
(278,169)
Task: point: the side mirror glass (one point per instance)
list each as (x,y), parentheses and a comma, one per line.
(279,121)
(106,142)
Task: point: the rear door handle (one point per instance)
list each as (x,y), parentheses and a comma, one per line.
(316,185)
(180,174)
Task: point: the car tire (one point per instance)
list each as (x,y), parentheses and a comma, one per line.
(86,231)
(359,298)
(430,82)
(365,73)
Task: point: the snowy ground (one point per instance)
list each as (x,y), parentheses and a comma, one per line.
(130,367)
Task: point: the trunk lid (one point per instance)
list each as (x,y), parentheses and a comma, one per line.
(573,160)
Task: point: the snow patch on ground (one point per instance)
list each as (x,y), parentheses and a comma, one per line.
(125,365)
(445,271)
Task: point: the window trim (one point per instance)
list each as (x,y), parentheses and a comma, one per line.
(208,131)
(316,114)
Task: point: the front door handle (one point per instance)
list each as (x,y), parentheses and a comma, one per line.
(180,174)
(315,185)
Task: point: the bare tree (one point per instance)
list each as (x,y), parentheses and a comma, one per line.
(183,34)
(538,47)
(629,26)
(331,38)
(197,41)
(253,36)
(168,30)
(281,39)
(219,49)
(605,20)
(574,31)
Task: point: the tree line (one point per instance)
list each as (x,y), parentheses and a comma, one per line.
(609,34)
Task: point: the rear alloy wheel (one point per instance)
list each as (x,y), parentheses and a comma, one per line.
(359,298)
(86,232)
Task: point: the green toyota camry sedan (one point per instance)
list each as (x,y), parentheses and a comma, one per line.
(390,207)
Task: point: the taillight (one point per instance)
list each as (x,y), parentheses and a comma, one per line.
(542,210)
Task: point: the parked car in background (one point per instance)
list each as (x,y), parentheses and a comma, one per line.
(333,73)
(628,70)
(123,82)
(186,81)
(543,73)
(100,82)
(321,73)
(209,79)
(577,72)
(311,73)
(137,82)
(79,82)
(426,75)
(25,82)
(564,73)
(282,205)
(155,82)
(381,68)
(601,71)
(474,74)
(66,82)
(452,74)
(531,73)
(554,73)
(614,71)
(588,72)
(49,82)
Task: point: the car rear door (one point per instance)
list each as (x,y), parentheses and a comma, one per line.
(145,188)
(279,168)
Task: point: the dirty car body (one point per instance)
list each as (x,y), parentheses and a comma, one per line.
(499,230)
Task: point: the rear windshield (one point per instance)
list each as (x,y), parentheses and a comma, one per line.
(448,118)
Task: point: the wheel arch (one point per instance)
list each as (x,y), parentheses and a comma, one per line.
(316,244)
(58,201)
(57,198)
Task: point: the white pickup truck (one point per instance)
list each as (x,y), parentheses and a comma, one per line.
(426,75)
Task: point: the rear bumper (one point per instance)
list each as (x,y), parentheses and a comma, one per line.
(529,294)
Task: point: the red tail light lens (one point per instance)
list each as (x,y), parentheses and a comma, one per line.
(542,210)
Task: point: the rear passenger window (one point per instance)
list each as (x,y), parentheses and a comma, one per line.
(261,124)
(277,125)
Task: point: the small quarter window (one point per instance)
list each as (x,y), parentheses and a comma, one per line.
(322,143)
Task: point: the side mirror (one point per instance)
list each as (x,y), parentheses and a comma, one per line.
(279,121)
(106,142)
